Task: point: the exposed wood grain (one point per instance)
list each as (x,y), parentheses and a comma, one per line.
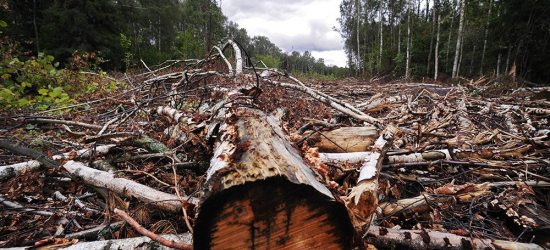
(261,195)
(352,139)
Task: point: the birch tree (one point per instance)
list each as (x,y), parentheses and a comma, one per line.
(407,67)
(459,38)
(436,59)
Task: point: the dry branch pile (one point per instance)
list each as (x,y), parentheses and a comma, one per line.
(416,165)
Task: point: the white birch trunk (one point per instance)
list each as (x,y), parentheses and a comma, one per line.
(459,39)
(450,35)
(407,70)
(238,57)
(128,188)
(381,36)
(436,62)
(358,8)
(431,37)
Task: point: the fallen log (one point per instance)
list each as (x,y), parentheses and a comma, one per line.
(261,195)
(142,243)
(94,177)
(350,139)
(9,171)
(421,239)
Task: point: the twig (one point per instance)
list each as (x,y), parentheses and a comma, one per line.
(47,120)
(93,233)
(30,153)
(144,64)
(58,195)
(120,135)
(23,209)
(148,174)
(153,236)
(144,156)
(107,125)
(183,207)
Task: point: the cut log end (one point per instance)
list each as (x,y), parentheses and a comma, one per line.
(272,214)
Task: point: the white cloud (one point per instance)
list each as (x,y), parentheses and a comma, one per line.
(292,25)
(332,57)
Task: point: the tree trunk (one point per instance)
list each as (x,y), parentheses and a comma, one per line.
(259,194)
(431,38)
(357,10)
(459,39)
(508,57)
(399,35)
(460,53)
(427,9)
(498,64)
(436,62)
(35,26)
(473,60)
(205,6)
(449,40)
(381,37)
(485,38)
(407,69)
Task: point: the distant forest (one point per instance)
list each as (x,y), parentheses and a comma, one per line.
(448,38)
(120,33)
(437,39)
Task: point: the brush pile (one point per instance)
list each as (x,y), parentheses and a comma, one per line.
(437,166)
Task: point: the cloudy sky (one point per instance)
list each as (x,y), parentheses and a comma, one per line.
(292,25)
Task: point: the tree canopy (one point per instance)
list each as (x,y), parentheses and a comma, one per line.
(123,32)
(483,37)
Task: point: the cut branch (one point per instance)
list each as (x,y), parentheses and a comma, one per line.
(153,236)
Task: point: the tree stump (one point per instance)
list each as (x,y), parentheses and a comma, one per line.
(261,195)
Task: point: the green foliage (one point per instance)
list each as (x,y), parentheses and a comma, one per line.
(270,61)
(189,45)
(125,44)
(400,62)
(108,34)
(35,82)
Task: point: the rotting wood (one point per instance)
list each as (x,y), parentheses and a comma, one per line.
(261,195)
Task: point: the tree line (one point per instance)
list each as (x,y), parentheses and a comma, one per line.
(123,32)
(447,38)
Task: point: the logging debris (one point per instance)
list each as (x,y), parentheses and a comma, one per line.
(463,162)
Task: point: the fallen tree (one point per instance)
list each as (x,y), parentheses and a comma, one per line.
(260,194)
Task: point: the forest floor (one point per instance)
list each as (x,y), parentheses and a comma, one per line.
(490,179)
